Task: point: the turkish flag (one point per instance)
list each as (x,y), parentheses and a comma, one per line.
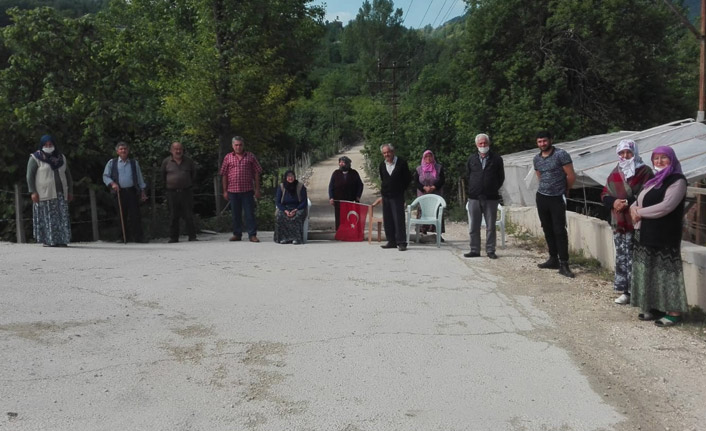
(353,217)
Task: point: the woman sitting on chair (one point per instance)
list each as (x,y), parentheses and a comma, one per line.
(291,202)
(429,178)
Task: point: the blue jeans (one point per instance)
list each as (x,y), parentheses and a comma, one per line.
(243,202)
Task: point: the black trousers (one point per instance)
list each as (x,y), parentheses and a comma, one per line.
(552,214)
(394,219)
(181,205)
(130,203)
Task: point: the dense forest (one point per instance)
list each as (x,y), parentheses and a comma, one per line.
(149,72)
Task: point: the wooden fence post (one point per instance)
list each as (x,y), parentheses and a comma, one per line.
(94,213)
(153,198)
(19,222)
(217,195)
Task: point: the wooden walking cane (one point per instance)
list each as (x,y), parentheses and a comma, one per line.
(122,222)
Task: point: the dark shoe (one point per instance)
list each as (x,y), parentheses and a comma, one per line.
(172,240)
(236,238)
(254,239)
(492,255)
(551,263)
(471,254)
(389,245)
(650,315)
(193,239)
(402,247)
(565,271)
(442,239)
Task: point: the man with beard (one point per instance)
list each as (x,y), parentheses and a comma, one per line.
(555,171)
(345,185)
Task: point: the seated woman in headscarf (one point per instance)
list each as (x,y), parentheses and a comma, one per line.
(429,178)
(291,202)
(621,190)
(51,188)
(657,285)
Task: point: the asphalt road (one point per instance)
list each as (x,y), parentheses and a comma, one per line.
(216,335)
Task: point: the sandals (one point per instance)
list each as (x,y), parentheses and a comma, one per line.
(668,321)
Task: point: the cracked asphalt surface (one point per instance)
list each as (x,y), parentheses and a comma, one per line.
(216,335)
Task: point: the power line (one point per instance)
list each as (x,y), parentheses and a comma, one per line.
(408,9)
(443,20)
(437,15)
(425,15)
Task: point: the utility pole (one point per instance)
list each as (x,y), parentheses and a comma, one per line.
(701,35)
(393,96)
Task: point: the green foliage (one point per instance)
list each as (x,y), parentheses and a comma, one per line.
(199,71)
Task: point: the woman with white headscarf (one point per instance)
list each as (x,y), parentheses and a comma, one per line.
(622,187)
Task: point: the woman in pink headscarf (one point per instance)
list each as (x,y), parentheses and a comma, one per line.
(657,284)
(429,178)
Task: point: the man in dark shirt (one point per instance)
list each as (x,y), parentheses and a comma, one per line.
(178,174)
(555,171)
(395,178)
(486,175)
(345,185)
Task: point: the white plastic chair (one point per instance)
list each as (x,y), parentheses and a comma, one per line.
(305,226)
(432,208)
(499,222)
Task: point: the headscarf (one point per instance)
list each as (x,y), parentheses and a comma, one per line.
(346,163)
(673,168)
(628,166)
(429,169)
(55,159)
(290,187)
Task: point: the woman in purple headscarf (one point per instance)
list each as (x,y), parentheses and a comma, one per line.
(657,276)
(51,188)
(622,187)
(429,178)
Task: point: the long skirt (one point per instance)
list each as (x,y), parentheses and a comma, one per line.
(289,229)
(623,261)
(52,225)
(657,278)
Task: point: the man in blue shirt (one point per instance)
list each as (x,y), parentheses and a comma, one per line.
(555,171)
(124,177)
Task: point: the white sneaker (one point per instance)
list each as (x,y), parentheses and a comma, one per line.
(623,299)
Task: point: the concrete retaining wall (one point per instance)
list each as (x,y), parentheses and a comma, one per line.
(595,238)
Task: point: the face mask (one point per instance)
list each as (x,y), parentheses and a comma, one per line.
(658,169)
(48,150)
(483,150)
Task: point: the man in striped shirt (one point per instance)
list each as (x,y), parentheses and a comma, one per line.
(240,173)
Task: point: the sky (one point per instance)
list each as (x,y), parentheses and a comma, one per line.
(416,13)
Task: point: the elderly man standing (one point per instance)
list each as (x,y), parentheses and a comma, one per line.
(345,185)
(240,173)
(178,173)
(555,171)
(486,175)
(124,177)
(395,178)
